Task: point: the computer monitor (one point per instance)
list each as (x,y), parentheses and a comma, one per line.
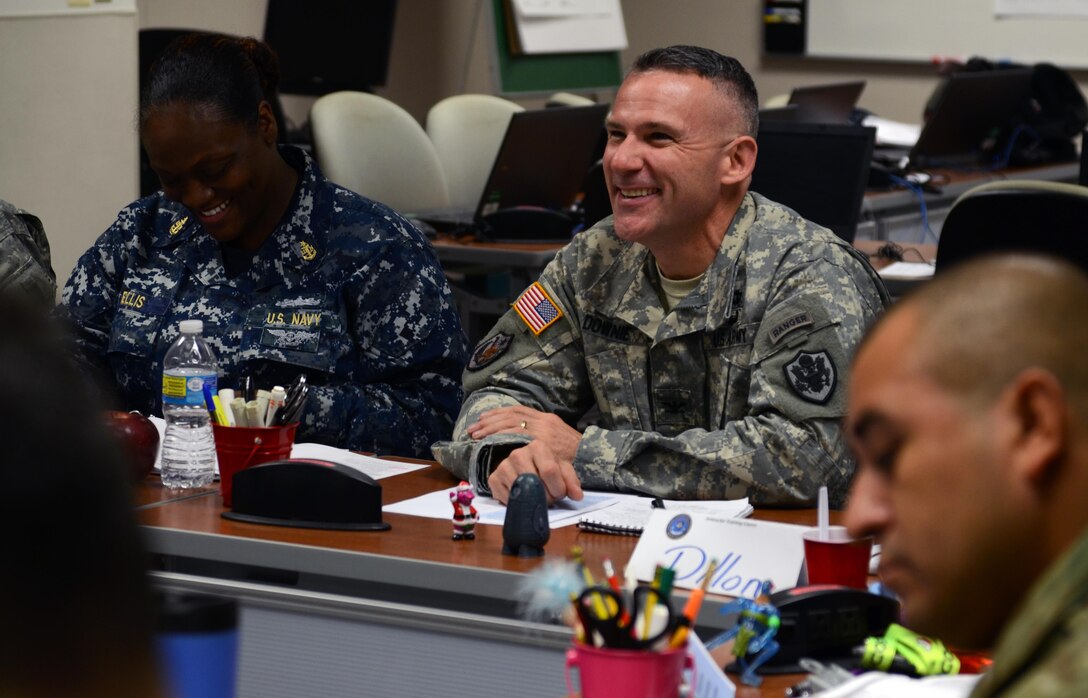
(970,111)
(832,103)
(330,45)
(818,170)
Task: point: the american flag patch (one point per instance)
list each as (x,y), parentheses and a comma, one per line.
(536,308)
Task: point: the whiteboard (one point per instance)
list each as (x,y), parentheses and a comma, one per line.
(920,30)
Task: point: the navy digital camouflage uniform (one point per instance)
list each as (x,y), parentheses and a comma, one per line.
(344,290)
(25,267)
(1043,651)
(737,392)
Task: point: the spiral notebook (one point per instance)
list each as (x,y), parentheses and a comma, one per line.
(629,515)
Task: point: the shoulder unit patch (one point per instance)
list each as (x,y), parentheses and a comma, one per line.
(488,350)
(812,376)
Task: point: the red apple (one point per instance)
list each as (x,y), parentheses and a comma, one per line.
(139,440)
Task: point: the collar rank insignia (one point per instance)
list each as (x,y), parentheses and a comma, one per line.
(307,251)
(178,225)
(812,376)
(537,308)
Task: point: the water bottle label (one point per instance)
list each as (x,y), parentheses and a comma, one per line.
(186,390)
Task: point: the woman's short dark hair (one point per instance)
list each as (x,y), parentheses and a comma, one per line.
(724,71)
(228,76)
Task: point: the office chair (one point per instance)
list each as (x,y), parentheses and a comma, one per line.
(467,131)
(567,99)
(1016,215)
(370,145)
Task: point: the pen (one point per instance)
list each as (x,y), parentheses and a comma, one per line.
(578,556)
(651,603)
(691,609)
(248,388)
(210,403)
(614,583)
(276,401)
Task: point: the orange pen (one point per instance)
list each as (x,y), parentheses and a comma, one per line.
(691,609)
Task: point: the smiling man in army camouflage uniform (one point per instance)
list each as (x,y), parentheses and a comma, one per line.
(709,326)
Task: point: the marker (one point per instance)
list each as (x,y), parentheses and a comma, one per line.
(691,610)
(226,397)
(253,414)
(275,404)
(238,407)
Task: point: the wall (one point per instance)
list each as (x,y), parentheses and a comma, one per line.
(68,150)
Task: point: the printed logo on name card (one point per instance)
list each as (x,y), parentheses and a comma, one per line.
(678,526)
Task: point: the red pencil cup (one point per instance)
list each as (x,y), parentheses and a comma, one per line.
(240,447)
(606,673)
(838,560)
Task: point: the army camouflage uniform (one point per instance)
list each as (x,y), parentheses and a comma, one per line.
(25,269)
(344,290)
(1043,652)
(737,392)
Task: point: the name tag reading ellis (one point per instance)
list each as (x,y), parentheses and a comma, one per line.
(747,552)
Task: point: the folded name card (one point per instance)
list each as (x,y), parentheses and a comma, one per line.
(746,552)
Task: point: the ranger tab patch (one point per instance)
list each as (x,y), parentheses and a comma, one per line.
(488,350)
(789,325)
(812,376)
(537,309)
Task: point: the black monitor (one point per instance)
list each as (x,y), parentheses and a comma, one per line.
(330,45)
(818,170)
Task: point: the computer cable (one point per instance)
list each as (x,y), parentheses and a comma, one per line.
(917,190)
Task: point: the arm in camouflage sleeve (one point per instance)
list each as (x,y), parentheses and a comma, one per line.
(787,445)
(512,366)
(88,301)
(406,387)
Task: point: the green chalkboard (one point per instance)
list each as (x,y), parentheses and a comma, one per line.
(551,72)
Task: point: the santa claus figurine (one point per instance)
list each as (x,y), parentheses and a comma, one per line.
(464,514)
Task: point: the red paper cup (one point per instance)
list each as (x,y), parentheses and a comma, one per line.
(838,560)
(606,673)
(240,447)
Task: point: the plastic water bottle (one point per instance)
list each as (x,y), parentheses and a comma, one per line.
(188,446)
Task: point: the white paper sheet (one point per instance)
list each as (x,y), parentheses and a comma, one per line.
(376,468)
(710,680)
(436,505)
(907,270)
(570,27)
(895,133)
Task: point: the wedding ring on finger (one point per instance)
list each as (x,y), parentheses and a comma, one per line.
(524,424)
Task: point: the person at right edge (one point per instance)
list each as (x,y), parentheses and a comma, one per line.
(710,327)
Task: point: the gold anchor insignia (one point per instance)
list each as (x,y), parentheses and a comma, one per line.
(307,250)
(178,225)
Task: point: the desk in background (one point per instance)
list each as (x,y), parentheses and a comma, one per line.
(897,216)
(404,612)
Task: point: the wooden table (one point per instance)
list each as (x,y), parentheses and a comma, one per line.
(330,594)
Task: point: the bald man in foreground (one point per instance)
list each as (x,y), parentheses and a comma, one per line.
(968,414)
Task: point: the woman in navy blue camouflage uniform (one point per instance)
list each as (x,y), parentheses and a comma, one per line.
(289,272)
